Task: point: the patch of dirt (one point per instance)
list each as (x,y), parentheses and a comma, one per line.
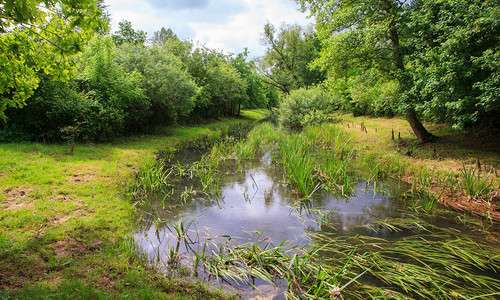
(17,193)
(70,247)
(66,199)
(129,152)
(16,198)
(80,178)
(2,174)
(74,214)
(105,281)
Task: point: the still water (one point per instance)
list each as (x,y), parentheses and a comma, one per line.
(255,203)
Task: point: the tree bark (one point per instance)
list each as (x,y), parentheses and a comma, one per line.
(422,134)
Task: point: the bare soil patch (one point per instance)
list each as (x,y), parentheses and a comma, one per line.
(81,178)
(16,198)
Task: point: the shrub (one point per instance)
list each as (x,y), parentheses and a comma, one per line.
(304,107)
(53,106)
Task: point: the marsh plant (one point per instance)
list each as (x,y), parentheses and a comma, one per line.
(152,176)
(475,185)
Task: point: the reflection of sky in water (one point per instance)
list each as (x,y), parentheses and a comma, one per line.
(254,201)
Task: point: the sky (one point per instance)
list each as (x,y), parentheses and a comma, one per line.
(228,25)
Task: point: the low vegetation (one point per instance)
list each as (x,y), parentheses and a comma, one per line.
(459,170)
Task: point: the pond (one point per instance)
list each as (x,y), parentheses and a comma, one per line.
(254,205)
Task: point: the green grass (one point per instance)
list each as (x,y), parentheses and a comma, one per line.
(64,219)
(444,171)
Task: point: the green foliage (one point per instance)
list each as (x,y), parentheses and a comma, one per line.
(165,81)
(127,34)
(222,87)
(163,36)
(41,35)
(286,62)
(368,93)
(54,105)
(120,104)
(358,35)
(304,107)
(255,92)
(454,67)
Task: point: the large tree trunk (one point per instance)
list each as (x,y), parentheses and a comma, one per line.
(422,134)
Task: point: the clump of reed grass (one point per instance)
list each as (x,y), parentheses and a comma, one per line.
(435,264)
(475,185)
(304,276)
(152,176)
(298,164)
(207,169)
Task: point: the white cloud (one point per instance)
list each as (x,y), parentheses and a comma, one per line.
(228,25)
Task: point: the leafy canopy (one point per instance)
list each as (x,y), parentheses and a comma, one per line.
(40,36)
(286,64)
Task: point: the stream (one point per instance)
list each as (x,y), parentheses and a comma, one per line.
(255,203)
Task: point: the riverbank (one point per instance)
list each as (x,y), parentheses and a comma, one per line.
(65,218)
(460,169)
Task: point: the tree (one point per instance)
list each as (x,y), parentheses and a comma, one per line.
(163,36)
(221,85)
(454,61)
(127,34)
(286,64)
(167,84)
(255,96)
(40,36)
(121,104)
(365,34)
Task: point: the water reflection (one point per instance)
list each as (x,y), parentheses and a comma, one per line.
(255,200)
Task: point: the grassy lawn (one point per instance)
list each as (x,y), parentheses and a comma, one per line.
(66,219)
(436,162)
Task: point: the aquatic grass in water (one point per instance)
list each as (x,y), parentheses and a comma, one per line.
(335,172)
(264,261)
(299,166)
(425,266)
(152,176)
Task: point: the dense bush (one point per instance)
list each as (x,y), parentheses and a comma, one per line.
(132,88)
(103,103)
(120,103)
(53,106)
(304,107)
(369,93)
(167,84)
(222,88)
(454,66)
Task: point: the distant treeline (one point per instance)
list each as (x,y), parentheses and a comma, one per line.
(125,84)
(428,60)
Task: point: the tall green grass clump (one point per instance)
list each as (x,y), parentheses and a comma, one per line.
(207,169)
(475,185)
(152,176)
(306,277)
(298,163)
(333,154)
